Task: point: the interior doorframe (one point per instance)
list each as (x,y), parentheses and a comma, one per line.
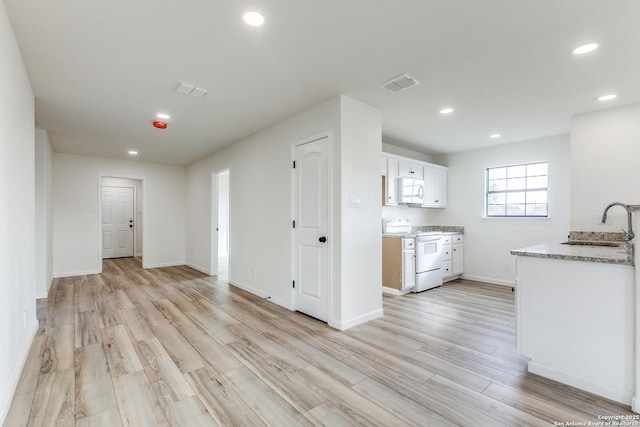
(135,209)
(330,233)
(215,195)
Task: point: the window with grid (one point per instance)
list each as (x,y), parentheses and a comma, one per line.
(517,191)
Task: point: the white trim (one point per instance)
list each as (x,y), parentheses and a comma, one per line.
(18,374)
(356,320)
(613,393)
(490,280)
(261,294)
(165,264)
(394,291)
(143,185)
(75,273)
(198,268)
(329,136)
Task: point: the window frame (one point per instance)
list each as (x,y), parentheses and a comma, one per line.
(506,191)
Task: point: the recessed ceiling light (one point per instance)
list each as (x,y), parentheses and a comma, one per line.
(253,18)
(163,116)
(133,152)
(608,97)
(495,135)
(585,48)
(447,110)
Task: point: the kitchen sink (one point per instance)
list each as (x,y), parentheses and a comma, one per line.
(593,243)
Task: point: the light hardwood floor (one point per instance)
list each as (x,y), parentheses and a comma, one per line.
(172,346)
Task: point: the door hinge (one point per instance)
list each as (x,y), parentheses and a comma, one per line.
(294,224)
(294,164)
(294,284)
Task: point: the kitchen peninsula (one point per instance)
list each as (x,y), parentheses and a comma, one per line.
(575,315)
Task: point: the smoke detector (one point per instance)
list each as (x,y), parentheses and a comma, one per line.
(400,83)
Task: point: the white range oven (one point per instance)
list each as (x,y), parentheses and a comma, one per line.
(428,261)
(428,252)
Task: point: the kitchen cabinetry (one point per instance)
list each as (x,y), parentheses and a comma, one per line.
(575,321)
(390,182)
(435,186)
(398,263)
(434,176)
(453,256)
(408,169)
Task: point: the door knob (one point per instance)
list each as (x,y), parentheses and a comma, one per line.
(130,225)
(322,239)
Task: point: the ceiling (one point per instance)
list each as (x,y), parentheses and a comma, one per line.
(100,71)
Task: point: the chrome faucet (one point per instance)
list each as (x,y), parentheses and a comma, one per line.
(630,234)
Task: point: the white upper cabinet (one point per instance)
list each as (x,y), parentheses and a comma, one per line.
(391,183)
(435,186)
(408,169)
(434,176)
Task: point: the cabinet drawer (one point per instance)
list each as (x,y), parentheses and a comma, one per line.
(446,269)
(458,238)
(446,252)
(408,243)
(446,239)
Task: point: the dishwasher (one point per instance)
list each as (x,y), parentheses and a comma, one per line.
(428,261)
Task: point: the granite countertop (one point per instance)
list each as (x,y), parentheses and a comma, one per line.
(427,228)
(603,254)
(442,228)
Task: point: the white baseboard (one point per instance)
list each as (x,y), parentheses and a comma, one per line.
(162,264)
(261,294)
(356,320)
(198,268)
(75,273)
(16,379)
(394,291)
(622,396)
(490,280)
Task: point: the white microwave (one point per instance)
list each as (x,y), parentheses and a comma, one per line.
(410,191)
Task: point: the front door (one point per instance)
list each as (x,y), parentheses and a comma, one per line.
(117,222)
(311,178)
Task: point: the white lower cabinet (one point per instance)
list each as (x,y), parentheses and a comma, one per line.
(398,263)
(408,269)
(453,257)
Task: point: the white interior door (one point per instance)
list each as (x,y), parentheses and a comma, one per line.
(220,234)
(311,178)
(117,222)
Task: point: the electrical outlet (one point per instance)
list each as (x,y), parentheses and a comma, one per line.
(507,268)
(25,318)
(253,272)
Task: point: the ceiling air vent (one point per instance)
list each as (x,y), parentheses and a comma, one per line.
(400,83)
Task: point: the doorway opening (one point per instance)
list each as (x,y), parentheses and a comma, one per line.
(121,217)
(220,240)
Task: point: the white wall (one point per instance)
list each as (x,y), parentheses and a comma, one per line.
(361,251)
(487,241)
(605,154)
(399,151)
(260,205)
(44,213)
(76,230)
(17,215)
(136,184)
